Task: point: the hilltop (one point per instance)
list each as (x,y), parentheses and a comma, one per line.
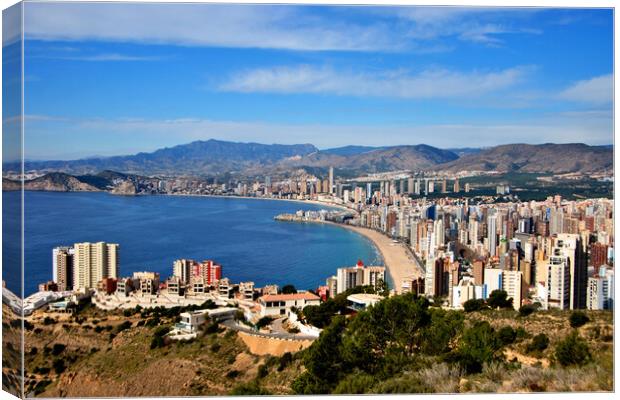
(217,157)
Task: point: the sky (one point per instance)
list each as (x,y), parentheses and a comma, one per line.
(107,79)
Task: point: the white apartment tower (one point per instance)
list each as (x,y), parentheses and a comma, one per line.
(93,262)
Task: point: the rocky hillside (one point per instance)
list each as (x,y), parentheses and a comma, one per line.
(552,158)
(200,157)
(52,182)
(379,160)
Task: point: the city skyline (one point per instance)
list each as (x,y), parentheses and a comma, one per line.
(331,76)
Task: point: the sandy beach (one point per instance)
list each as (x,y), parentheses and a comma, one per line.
(398,260)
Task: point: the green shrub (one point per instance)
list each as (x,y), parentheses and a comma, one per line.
(58,348)
(232,374)
(474,305)
(157,342)
(572,350)
(59,366)
(577,319)
(48,321)
(526,310)
(538,344)
(507,335)
(499,299)
(249,389)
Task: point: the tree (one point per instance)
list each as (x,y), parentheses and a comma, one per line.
(444,327)
(478,346)
(474,305)
(392,328)
(577,319)
(499,299)
(572,350)
(289,289)
(324,362)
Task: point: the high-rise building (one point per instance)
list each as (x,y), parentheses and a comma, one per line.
(512,283)
(331,180)
(62,259)
(558,282)
(93,262)
(571,246)
(598,254)
(601,290)
(457,187)
(492,234)
(182,269)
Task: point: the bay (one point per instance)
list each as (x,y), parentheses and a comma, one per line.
(153,231)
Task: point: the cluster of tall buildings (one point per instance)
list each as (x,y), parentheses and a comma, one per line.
(555,252)
(84,265)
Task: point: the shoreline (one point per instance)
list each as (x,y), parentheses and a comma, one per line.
(398,262)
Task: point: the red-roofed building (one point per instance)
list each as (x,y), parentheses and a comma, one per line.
(280,304)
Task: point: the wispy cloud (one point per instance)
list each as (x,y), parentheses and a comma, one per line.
(471,24)
(597,90)
(243,26)
(436,83)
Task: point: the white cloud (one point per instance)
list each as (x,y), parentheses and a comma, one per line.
(597,90)
(438,83)
(244,26)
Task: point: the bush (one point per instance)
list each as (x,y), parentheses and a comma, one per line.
(212,327)
(48,321)
(249,389)
(474,305)
(58,348)
(59,366)
(577,319)
(99,329)
(526,310)
(507,335)
(263,371)
(479,345)
(232,374)
(157,342)
(263,322)
(538,344)
(289,289)
(215,347)
(572,350)
(499,299)
(285,360)
(125,325)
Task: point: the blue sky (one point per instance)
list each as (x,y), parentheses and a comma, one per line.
(107,79)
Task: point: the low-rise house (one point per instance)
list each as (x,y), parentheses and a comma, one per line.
(124,286)
(281,304)
(192,320)
(246,290)
(225,288)
(361,301)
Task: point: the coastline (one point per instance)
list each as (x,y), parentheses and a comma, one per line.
(314,202)
(398,262)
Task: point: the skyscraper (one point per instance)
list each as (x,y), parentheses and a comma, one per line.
(331,180)
(92,262)
(492,234)
(62,259)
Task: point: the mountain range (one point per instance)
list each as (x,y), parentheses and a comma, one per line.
(216,157)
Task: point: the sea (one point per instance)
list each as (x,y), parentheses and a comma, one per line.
(153,231)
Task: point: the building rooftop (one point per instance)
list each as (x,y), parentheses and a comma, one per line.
(293,296)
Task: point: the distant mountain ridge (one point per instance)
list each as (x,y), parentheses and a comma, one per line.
(548,157)
(215,157)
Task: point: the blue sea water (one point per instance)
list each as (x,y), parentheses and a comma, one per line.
(153,231)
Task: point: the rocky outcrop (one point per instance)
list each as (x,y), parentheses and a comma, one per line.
(125,188)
